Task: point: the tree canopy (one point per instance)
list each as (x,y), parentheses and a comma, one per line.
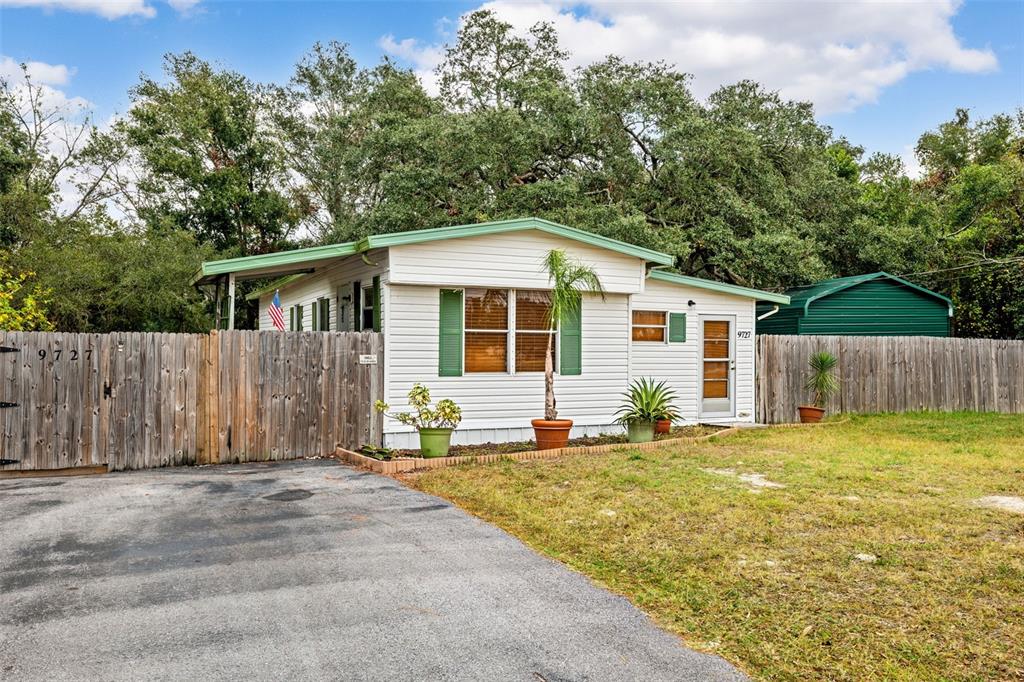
(743,187)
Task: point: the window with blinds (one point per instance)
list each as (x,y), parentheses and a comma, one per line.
(649,325)
(507,330)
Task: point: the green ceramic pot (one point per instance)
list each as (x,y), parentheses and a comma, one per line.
(640,432)
(435,442)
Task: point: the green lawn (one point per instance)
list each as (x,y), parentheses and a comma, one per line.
(768,577)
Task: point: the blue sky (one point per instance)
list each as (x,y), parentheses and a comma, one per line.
(879,73)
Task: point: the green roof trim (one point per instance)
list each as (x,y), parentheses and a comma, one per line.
(276,284)
(720,287)
(819,290)
(271,260)
(502,226)
(297,257)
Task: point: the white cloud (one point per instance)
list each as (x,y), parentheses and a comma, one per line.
(108,9)
(41,72)
(839,55)
(183,6)
(48,78)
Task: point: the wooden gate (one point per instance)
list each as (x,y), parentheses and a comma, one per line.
(135,401)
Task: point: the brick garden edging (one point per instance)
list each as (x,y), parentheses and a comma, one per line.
(397,466)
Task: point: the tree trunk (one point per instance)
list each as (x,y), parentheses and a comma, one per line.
(549,382)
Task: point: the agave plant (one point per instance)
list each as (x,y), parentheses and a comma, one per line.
(821,382)
(646,401)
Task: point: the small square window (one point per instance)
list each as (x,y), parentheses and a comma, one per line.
(650,326)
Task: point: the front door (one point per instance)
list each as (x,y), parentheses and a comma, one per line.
(718,366)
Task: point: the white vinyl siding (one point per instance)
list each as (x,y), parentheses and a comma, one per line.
(508,261)
(677,363)
(325,284)
(501,406)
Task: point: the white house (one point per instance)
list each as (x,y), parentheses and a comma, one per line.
(461,310)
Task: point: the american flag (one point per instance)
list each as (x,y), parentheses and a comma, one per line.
(276,313)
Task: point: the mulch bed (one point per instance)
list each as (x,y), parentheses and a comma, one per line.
(688,431)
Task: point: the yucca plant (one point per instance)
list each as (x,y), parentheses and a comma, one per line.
(822,382)
(647,402)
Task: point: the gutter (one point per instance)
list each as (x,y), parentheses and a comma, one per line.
(768,314)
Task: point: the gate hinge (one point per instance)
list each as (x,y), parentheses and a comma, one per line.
(5,462)
(8,349)
(4,404)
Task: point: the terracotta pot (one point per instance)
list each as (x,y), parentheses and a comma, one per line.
(663,426)
(551,434)
(810,414)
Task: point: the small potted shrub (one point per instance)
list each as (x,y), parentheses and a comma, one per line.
(822,384)
(645,403)
(435,425)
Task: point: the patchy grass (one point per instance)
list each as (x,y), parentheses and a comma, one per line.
(770,577)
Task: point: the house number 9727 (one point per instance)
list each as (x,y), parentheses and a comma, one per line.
(73,353)
(743,334)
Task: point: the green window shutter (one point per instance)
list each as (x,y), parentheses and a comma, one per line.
(298,317)
(450,341)
(571,342)
(357,307)
(322,315)
(316,316)
(291,318)
(676,327)
(376,303)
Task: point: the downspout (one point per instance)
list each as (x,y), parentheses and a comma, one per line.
(768,314)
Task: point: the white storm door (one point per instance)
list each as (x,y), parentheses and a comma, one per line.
(717,366)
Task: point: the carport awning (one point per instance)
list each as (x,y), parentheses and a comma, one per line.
(279,264)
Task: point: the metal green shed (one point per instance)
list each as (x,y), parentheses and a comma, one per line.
(877,304)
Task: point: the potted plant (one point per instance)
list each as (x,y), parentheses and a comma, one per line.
(645,403)
(568,281)
(435,425)
(822,384)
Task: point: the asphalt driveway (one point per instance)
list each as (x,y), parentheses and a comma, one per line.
(306,570)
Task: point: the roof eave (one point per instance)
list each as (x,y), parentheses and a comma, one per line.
(502,226)
(270,264)
(720,287)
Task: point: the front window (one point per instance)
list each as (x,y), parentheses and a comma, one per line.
(649,325)
(486,330)
(533,332)
(507,330)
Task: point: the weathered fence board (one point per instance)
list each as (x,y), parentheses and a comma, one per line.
(135,401)
(892,374)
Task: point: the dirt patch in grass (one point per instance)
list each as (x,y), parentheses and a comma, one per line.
(874,562)
(1008,503)
(688,431)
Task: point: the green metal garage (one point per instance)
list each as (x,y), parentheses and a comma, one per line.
(877,304)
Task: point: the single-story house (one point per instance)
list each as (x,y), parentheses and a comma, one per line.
(875,304)
(462,309)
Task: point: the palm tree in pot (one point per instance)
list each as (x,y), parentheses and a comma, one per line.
(822,384)
(569,279)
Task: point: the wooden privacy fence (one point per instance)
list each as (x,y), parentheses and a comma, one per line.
(892,374)
(134,401)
